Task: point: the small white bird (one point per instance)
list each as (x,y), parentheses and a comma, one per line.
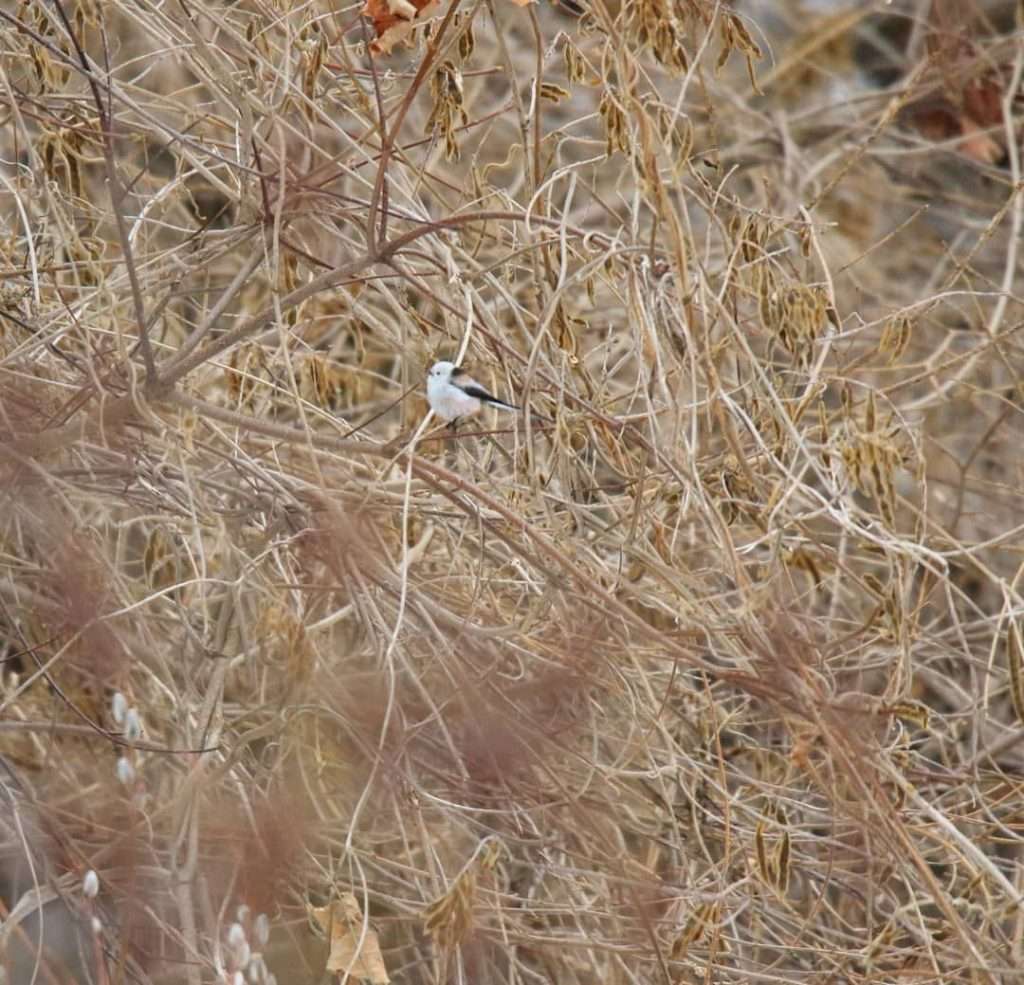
(453,393)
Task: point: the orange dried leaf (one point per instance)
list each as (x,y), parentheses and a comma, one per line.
(983,101)
(355,950)
(394,20)
(979,145)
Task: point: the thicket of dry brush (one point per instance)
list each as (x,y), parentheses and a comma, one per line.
(705,669)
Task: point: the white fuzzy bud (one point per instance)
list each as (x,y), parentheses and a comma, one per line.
(132,725)
(125,771)
(97,926)
(90,884)
(240,950)
(118,707)
(261,930)
(257,971)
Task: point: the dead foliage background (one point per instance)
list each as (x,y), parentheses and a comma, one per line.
(705,669)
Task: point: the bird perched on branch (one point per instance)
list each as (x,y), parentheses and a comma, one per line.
(454,394)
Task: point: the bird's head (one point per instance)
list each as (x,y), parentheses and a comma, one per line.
(442,370)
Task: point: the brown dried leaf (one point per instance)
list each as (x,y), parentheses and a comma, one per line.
(355,950)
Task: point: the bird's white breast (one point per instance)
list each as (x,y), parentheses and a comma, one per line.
(449,401)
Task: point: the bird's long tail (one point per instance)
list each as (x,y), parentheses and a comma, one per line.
(501,405)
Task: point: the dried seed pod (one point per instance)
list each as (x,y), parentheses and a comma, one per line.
(467,42)
(160,560)
(667,48)
(324,380)
(781,862)
(895,337)
(575,64)
(765,861)
(450,917)
(447,112)
(796,316)
(694,929)
(616,128)
(244,373)
(552,93)
(314,52)
(257,46)
(660,26)
(1015,661)
(736,37)
(871,452)
(567,330)
(913,712)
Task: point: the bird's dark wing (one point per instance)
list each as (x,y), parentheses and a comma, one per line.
(460,378)
(482,395)
(474,390)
